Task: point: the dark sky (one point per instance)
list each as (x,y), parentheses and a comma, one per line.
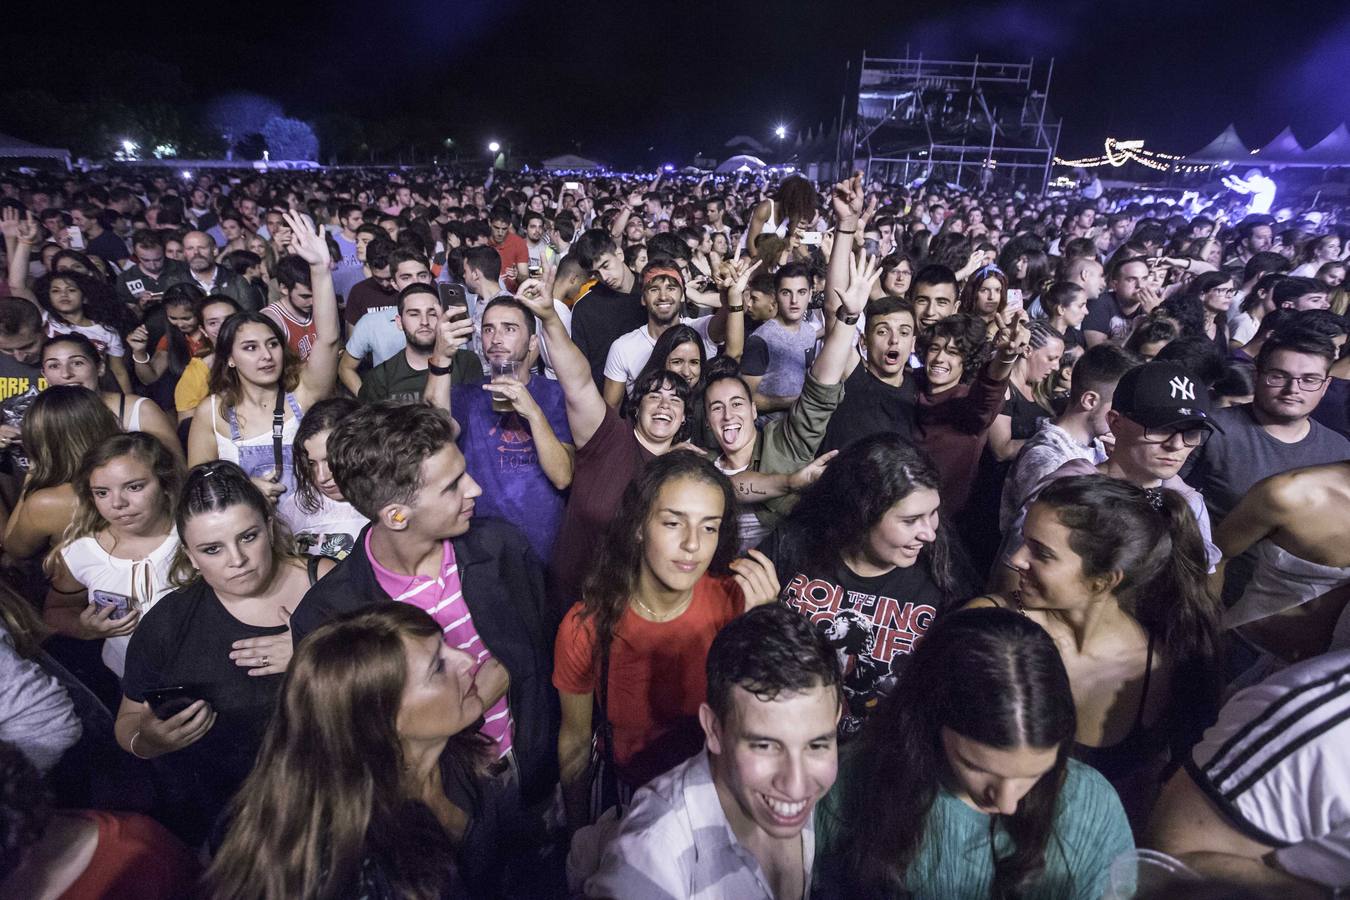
(612,79)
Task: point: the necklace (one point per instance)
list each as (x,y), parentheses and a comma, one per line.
(656,617)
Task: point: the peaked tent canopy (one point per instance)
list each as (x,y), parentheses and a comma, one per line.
(1332,150)
(1283,149)
(571,161)
(13,148)
(1227,147)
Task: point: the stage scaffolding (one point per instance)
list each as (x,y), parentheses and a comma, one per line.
(974,123)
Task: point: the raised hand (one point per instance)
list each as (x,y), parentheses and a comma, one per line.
(847,198)
(9,223)
(310,246)
(863,274)
(537,300)
(451,335)
(1014,340)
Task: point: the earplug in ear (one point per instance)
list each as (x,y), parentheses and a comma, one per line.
(398,517)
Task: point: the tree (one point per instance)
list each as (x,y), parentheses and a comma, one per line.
(235,116)
(290,139)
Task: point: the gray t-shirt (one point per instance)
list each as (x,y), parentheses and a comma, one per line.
(1234,460)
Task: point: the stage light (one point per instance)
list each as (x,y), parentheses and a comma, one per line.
(493,147)
(780,132)
(128,145)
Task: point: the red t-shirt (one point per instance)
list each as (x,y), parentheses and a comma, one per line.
(300,336)
(657,677)
(513,252)
(196,344)
(136,859)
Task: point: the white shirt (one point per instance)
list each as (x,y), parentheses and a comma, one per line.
(1276,763)
(630,352)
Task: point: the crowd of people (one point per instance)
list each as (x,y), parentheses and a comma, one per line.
(416,534)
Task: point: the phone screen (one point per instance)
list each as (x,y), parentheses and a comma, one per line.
(1014,299)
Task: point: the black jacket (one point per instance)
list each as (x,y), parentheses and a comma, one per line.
(503,585)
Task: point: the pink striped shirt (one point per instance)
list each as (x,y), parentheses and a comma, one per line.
(443,599)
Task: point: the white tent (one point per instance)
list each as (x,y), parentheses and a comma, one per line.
(13,148)
(572,162)
(1226,148)
(741,163)
(1332,150)
(1283,149)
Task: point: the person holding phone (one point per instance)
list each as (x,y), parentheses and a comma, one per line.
(112,564)
(403,376)
(202,666)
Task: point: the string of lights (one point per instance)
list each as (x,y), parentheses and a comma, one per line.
(1119,153)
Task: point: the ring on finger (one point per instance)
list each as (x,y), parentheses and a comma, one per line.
(264,661)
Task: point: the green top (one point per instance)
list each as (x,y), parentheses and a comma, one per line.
(394,379)
(955,863)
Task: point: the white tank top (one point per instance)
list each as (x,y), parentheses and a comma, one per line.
(771,225)
(142,581)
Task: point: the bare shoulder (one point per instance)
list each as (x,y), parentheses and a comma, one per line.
(988,601)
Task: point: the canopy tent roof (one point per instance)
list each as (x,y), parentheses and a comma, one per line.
(13,148)
(1283,149)
(571,161)
(1226,148)
(742,162)
(1332,150)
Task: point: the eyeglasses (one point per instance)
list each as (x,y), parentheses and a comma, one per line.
(1277,379)
(1191,437)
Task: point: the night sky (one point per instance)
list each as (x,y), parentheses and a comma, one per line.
(612,79)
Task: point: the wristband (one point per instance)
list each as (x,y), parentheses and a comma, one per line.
(141,362)
(850,319)
(740,308)
(842,231)
(439,370)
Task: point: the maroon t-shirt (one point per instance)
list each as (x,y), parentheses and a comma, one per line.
(611,459)
(953,428)
(365,296)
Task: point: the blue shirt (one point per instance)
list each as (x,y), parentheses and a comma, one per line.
(501,455)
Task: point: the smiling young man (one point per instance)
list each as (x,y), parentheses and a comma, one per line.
(400,467)
(737,820)
(663,298)
(934,294)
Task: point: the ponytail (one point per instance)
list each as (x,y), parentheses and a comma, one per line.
(1175,605)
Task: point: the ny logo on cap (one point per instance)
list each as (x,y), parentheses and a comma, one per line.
(1182,388)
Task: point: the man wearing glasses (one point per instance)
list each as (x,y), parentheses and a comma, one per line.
(1273,433)
(1160,415)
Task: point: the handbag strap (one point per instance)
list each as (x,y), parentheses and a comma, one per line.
(602,705)
(278,425)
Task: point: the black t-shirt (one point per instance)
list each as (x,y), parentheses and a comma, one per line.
(870,406)
(185,640)
(873,623)
(600,318)
(19,387)
(1025,415)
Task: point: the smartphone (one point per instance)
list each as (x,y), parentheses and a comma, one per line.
(121,606)
(453,299)
(572,186)
(76,238)
(1014,300)
(811,238)
(167,702)
(535,270)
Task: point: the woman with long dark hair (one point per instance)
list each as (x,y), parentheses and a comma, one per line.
(873,577)
(962,786)
(183,338)
(323,522)
(985,296)
(356,788)
(793,207)
(258,382)
(82,304)
(679,349)
(660,588)
(1117,575)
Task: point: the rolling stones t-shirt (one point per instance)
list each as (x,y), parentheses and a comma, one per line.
(872,623)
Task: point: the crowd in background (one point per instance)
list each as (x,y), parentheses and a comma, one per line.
(382,534)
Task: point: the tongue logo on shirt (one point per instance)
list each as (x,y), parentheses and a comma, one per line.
(1182,388)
